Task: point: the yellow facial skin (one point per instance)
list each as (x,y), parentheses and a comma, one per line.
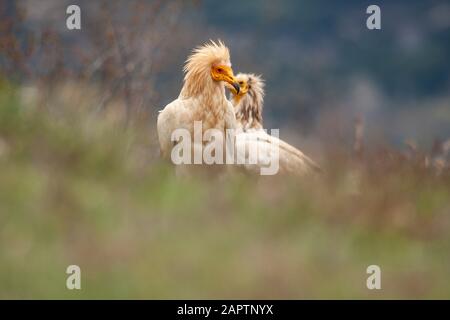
(243,89)
(225,73)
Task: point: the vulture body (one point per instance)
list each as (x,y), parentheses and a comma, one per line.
(248,105)
(202,97)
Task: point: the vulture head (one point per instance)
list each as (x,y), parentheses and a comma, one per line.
(248,101)
(209,66)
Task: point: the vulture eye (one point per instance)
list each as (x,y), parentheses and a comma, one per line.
(241,82)
(220,70)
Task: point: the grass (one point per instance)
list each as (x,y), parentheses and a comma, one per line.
(79,189)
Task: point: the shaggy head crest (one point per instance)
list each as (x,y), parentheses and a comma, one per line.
(199,63)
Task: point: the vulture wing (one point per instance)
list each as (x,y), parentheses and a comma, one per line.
(257,149)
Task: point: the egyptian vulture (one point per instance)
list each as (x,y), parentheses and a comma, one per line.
(202,97)
(248,105)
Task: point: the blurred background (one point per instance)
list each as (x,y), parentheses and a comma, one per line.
(319,59)
(81,181)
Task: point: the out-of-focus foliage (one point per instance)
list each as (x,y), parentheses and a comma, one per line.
(318,58)
(122,48)
(81,182)
(78,189)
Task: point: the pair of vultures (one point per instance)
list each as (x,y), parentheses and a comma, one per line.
(208,74)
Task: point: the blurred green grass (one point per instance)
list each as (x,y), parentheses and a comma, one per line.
(76,189)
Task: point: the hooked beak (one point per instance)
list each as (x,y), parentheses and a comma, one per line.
(225,74)
(236,87)
(233,83)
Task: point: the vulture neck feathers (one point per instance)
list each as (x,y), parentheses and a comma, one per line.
(249,107)
(198,84)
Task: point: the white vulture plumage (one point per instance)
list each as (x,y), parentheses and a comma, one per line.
(202,97)
(248,105)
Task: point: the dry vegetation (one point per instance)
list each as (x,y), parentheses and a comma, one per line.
(81,183)
(80,189)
